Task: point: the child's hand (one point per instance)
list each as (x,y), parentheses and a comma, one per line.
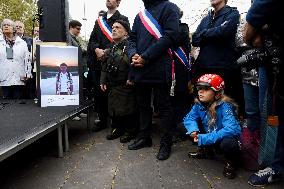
(195,139)
(193,134)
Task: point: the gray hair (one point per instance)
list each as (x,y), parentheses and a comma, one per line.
(8,21)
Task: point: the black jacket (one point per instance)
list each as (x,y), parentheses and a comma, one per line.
(216,39)
(158,62)
(29,42)
(115,68)
(99,40)
(182,73)
(121,98)
(270,12)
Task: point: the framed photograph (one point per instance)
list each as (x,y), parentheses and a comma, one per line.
(59,76)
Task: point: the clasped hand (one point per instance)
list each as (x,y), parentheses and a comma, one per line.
(137,61)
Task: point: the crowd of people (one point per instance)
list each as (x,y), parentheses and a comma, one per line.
(227,85)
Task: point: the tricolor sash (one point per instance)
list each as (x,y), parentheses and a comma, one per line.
(105,28)
(154,28)
(181,55)
(151,24)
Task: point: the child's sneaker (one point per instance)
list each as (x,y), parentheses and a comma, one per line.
(264,176)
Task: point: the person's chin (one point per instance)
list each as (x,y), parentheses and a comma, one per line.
(201,99)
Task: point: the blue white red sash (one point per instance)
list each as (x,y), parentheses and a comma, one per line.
(154,28)
(181,55)
(151,24)
(105,28)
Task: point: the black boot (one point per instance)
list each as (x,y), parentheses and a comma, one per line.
(99,126)
(202,153)
(115,133)
(229,170)
(140,143)
(164,151)
(127,137)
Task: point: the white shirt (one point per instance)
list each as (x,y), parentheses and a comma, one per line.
(63,82)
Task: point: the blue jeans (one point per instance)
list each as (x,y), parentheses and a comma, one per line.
(268,133)
(278,162)
(251,96)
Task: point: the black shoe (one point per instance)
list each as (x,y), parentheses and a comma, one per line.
(99,126)
(164,152)
(127,137)
(202,153)
(140,143)
(229,171)
(115,133)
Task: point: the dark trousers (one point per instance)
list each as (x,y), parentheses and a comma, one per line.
(231,150)
(100,97)
(12,92)
(29,91)
(181,103)
(252,107)
(161,94)
(229,147)
(127,124)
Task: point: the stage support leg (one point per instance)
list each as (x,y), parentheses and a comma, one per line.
(66,139)
(60,147)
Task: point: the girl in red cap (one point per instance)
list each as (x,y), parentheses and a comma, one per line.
(212,123)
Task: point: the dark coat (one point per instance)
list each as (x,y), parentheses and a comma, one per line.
(114,74)
(99,40)
(216,39)
(267,12)
(158,62)
(182,73)
(29,42)
(270,12)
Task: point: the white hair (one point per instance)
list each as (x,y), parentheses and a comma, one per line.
(10,22)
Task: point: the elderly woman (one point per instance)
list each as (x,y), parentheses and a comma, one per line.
(14,62)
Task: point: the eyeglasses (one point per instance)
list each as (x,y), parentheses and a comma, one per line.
(78,28)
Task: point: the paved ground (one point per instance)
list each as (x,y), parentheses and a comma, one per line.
(94,162)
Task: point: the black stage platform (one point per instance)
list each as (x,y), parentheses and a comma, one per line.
(23,122)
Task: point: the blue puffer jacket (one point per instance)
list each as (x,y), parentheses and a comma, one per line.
(216,39)
(158,62)
(226,124)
